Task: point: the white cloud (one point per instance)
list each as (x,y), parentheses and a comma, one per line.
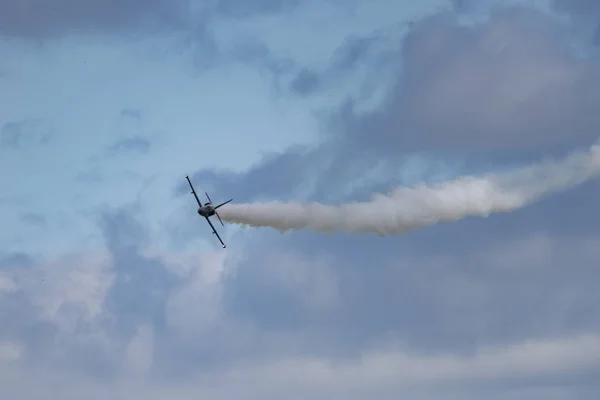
(139,354)
(308,277)
(385,371)
(196,305)
(393,367)
(80,278)
(7,285)
(10,352)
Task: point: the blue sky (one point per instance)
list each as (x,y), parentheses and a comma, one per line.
(110,285)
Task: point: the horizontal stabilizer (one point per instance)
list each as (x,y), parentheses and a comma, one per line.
(222,204)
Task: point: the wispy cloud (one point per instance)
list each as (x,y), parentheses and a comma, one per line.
(34,219)
(132,144)
(24,133)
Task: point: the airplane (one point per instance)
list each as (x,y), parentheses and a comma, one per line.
(208,210)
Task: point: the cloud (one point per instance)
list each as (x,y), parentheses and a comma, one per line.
(390,368)
(587,8)
(586,14)
(517,90)
(489,86)
(305,82)
(356,51)
(51,309)
(326,306)
(132,144)
(469,6)
(41,19)
(131,113)
(15,259)
(431,297)
(190,26)
(33,219)
(141,283)
(238,8)
(24,133)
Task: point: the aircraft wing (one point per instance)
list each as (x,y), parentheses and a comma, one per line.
(193,191)
(215,232)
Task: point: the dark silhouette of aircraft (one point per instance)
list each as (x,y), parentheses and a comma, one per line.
(208,210)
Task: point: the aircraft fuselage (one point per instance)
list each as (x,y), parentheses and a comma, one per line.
(207,210)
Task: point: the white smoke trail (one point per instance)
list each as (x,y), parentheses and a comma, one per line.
(414,207)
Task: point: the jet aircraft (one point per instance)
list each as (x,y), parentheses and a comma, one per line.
(208,210)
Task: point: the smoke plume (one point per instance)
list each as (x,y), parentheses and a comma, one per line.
(408,208)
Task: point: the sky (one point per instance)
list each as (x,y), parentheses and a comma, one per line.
(112,287)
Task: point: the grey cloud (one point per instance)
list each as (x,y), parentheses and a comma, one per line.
(305,82)
(588,8)
(33,219)
(24,313)
(460,5)
(467,6)
(50,311)
(462,88)
(27,132)
(93,176)
(346,58)
(275,176)
(372,51)
(586,14)
(131,144)
(41,19)
(354,50)
(142,283)
(15,260)
(206,50)
(237,8)
(131,113)
(147,291)
(73,337)
(254,52)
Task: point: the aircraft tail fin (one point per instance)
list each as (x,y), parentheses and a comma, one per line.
(222,204)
